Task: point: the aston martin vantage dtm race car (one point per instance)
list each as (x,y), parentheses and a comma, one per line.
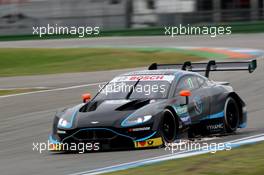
(153,107)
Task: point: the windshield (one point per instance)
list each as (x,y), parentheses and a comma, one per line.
(136,87)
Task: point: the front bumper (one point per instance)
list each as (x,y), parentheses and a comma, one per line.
(107,139)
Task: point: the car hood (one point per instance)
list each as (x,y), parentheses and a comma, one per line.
(109,113)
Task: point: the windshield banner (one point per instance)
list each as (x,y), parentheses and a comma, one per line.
(168,78)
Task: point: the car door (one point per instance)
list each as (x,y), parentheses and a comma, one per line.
(201,99)
(198,101)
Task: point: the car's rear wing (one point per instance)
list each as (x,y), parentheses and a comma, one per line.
(212,65)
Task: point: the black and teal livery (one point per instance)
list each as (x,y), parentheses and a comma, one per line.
(187,104)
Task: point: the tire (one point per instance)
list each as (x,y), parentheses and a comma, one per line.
(169,127)
(231,117)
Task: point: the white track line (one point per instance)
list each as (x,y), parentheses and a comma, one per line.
(52,90)
(25,88)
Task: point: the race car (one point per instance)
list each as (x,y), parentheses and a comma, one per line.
(154,107)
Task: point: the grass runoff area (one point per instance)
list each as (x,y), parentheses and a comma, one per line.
(246,160)
(16,91)
(24,61)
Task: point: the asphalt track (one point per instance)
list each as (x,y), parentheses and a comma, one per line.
(28,118)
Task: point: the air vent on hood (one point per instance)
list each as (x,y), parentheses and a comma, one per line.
(133,105)
(92,106)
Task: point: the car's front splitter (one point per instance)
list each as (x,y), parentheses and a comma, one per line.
(119,141)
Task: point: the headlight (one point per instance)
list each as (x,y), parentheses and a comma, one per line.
(63,123)
(135,120)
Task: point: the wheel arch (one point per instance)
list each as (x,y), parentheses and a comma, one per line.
(172,112)
(240,104)
(177,118)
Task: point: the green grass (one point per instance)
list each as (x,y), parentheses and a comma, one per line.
(17,62)
(246,160)
(16,91)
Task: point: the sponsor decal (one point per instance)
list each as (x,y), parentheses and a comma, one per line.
(215,127)
(147,77)
(149,143)
(55,147)
(190,83)
(180,110)
(198,105)
(139,129)
(168,78)
(186,119)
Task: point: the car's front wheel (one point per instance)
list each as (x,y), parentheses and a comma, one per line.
(231,115)
(169,127)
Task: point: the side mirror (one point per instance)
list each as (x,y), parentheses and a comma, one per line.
(187,94)
(86,97)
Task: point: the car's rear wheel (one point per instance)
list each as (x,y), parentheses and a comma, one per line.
(231,115)
(169,127)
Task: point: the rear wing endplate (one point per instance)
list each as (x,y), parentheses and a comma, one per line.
(212,65)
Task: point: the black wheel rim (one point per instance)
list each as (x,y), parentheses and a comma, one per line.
(232,115)
(168,127)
